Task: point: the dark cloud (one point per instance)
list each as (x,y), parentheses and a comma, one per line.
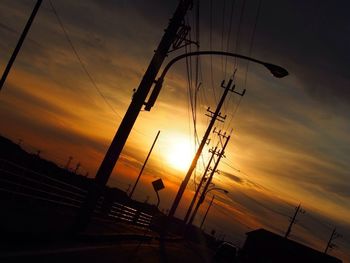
(233,177)
(312,39)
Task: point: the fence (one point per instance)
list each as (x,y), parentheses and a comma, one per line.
(17,181)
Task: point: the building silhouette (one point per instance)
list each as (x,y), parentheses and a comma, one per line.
(264,246)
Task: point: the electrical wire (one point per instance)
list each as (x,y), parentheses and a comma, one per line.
(94,84)
(229,33)
(210,48)
(248,63)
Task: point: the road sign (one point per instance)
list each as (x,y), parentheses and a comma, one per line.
(158,185)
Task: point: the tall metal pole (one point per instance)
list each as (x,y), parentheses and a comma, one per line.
(131,114)
(194,199)
(199,150)
(19,43)
(330,241)
(206,213)
(143,166)
(205,190)
(70,158)
(292,221)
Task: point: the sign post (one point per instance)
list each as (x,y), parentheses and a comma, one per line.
(157,186)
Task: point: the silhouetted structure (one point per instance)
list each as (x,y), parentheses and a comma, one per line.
(264,246)
(40,200)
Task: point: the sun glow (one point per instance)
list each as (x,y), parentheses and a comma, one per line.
(180,153)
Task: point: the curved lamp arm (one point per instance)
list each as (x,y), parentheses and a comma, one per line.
(275,70)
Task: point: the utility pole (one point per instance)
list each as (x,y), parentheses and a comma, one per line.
(333,236)
(214,116)
(205,189)
(70,158)
(127,189)
(298,209)
(77,167)
(213,152)
(19,43)
(143,166)
(138,100)
(206,212)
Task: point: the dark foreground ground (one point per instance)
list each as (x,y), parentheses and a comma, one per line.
(120,251)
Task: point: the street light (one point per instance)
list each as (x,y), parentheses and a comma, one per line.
(275,70)
(201,200)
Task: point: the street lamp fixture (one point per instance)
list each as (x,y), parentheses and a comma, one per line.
(276,71)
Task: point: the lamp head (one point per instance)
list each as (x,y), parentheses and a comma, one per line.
(276,71)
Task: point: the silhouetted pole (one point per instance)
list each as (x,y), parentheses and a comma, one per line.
(330,241)
(77,168)
(297,210)
(19,43)
(138,100)
(194,199)
(70,158)
(333,236)
(216,114)
(206,212)
(143,167)
(205,190)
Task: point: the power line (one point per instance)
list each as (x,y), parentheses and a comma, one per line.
(211,47)
(222,36)
(248,63)
(94,84)
(229,34)
(239,31)
(252,42)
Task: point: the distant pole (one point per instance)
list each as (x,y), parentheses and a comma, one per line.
(297,210)
(77,167)
(19,43)
(330,241)
(215,116)
(194,199)
(206,213)
(205,190)
(68,162)
(143,166)
(127,189)
(333,236)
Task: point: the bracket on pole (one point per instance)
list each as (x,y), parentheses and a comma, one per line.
(181,38)
(154,95)
(218,118)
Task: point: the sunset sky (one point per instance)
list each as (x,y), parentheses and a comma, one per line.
(290,140)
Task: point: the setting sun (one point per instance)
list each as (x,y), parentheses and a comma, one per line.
(180,154)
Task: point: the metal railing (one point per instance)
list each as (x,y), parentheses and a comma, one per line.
(125,213)
(17,181)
